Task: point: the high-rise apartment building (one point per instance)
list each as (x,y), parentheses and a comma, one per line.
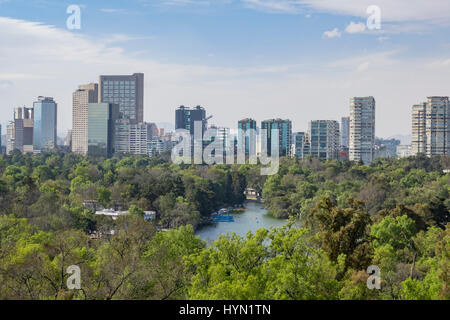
(431,127)
(127,92)
(247,137)
(284,128)
(10,140)
(222,136)
(80,101)
(45,124)
(324,137)
(362,129)
(301,145)
(132,138)
(419,133)
(345,132)
(101,129)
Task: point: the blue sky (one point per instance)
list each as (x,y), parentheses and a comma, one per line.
(297,59)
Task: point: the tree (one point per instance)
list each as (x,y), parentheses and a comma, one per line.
(103,196)
(343,231)
(168,276)
(397,232)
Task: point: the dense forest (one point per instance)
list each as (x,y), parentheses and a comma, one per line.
(344,217)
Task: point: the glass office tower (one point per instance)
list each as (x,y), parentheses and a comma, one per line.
(101,129)
(247,136)
(324,135)
(284,128)
(127,91)
(45,124)
(185,118)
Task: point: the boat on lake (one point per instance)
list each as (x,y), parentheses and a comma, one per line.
(223,216)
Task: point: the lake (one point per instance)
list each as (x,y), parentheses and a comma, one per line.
(255,217)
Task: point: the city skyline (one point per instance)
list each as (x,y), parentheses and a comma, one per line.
(235,70)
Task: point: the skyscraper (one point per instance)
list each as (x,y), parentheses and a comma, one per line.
(324,137)
(431,127)
(220,136)
(101,128)
(419,132)
(1,147)
(284,128)
(23,129)
(301,145)
(45,124)
(246,140)
(127,92)
(345,132)
(185,118)
(362,129)
(10,140)
(81,98)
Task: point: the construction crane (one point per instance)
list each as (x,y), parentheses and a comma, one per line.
(205,122)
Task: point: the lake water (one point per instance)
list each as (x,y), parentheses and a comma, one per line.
(255,217)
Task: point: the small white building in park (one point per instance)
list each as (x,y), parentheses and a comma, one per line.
(148,215)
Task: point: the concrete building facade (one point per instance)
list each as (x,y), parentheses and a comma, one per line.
(362,129)
(125,90)
(80,101)
(431,127)
(324,137)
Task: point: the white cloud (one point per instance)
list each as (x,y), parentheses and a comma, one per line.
(56,61)
(120,38)
(354,27)
(186,2)
(107,10)
(335,33)
(435,12)
(360,63)
(273,6)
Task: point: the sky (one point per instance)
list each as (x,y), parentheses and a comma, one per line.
(293,59)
